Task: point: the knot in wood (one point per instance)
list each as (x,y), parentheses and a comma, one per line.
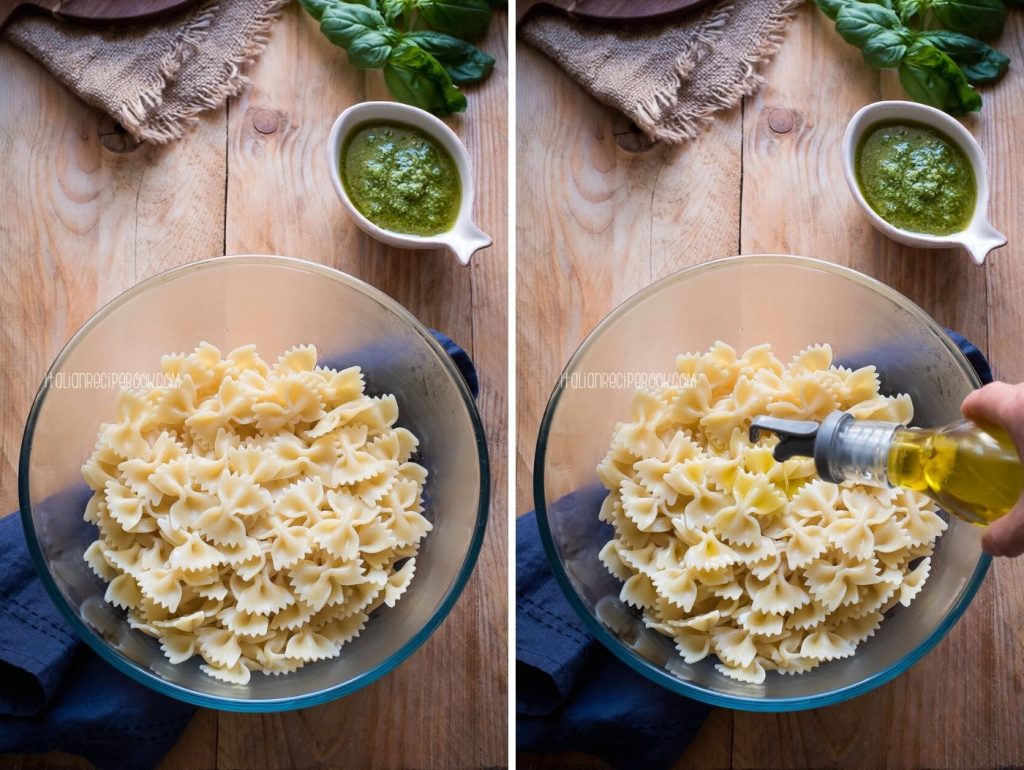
(266,121)
(780,121)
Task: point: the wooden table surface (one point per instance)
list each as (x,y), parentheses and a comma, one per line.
(599,217)
(84,215)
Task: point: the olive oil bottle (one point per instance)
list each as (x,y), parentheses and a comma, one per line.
(971,471)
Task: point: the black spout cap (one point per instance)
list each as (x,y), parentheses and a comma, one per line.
(796,437)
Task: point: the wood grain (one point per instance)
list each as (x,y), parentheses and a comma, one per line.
(591,225)
(397,730)
(601,214)
(82,224)
(253,178)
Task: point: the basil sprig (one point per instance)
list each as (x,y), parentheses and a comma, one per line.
(420,44)
(933,44)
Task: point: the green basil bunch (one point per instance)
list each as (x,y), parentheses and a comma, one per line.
(420,44)
(934,44)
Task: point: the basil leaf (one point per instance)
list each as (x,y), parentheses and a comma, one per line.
(908,9)
(316,8)
(931,77)
(415,77)
(392,9)
(462,18)
(981,18)
(858,23)
(885,49)
(980,62)
(464,62)
(831,7)
(371,50)
(344,23)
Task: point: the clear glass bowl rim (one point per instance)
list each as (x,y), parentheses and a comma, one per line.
(144,676)
(644,667)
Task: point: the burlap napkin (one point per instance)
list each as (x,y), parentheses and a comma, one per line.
(670,78)
(157,77)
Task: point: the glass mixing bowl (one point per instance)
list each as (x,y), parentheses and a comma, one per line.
(275,303)
(790,302)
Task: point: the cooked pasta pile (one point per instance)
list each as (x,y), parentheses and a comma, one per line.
(254,515)
(733,554)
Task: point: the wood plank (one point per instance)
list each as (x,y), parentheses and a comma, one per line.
(601,214)
(486,137)
(791,166)
(711,749)
(77,223)
(800,172)
(280,201)
(197,747)
(1004,146)
(90,215)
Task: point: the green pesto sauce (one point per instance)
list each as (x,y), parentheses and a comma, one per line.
(400,179)
(916,178)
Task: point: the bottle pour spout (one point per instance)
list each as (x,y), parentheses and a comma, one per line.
(844,449)
(796,437)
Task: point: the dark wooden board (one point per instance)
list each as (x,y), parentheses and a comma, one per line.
(612,10)
(96,11)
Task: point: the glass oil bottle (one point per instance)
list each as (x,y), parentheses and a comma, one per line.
(971,471)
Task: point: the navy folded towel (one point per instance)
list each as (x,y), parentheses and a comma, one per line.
(574,695)
(55,693)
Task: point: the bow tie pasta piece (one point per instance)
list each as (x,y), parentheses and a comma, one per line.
(236,674)
(256,515)
(307,645)
(732,554)
(194,555)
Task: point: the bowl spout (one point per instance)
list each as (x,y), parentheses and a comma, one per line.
(465,240)
(980,240)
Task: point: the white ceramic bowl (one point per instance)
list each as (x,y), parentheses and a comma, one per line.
(464,238)
(979,238)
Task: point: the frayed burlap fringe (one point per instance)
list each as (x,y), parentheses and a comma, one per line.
(155,79)
(167,124)
(135,113)
(670,78)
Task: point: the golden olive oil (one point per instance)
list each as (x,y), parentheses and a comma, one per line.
(969,470)
(974,472)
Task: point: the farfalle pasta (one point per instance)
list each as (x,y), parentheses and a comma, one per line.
(254,515)
(732,554)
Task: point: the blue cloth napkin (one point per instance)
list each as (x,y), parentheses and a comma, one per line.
(974,355)
(462,361)
(574,695)
(55,693)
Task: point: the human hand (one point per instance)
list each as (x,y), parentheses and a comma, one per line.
(1001,404)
